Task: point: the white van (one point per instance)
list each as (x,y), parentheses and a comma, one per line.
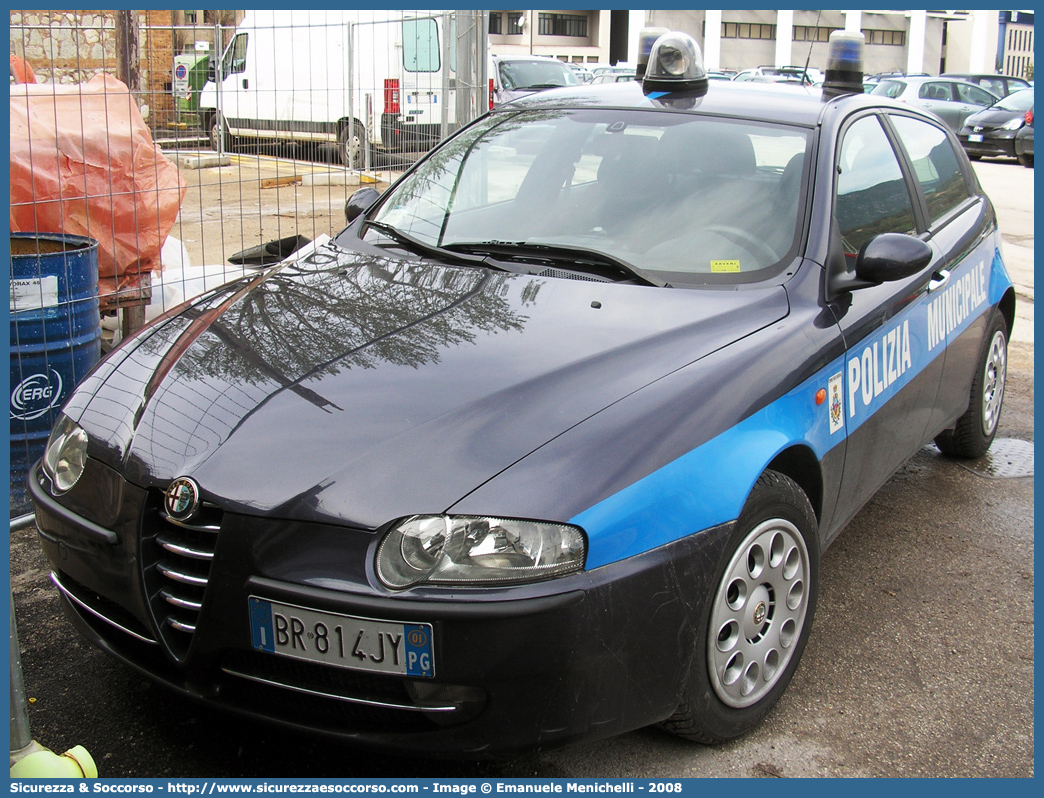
(335,76)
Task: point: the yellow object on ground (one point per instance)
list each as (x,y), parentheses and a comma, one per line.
(75,763)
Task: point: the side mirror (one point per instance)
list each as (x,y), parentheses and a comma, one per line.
(359,203)
(891,256)
(883,259)
(211,70)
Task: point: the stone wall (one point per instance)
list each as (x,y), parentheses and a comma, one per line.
(73,46)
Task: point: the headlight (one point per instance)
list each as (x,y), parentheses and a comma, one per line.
(1014,124)
(439,549)
(66,454)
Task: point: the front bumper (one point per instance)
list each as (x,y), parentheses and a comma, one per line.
(995,143)
(1024,143)
(585,656)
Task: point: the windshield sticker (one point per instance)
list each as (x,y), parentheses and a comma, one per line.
(720,266)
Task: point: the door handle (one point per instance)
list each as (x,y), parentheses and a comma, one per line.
(246,83)
(939,280)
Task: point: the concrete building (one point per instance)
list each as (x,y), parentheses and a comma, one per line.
(896,41)
(580,37)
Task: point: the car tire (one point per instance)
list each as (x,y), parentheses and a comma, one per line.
(350,148)
(1026,160)
(217,127)
(752,633)
(974,431)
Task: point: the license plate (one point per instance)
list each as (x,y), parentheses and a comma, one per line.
(344,641)
(976,137)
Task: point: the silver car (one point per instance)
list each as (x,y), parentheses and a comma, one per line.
(517,76)
(951,100)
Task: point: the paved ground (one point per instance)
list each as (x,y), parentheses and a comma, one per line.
(920,662)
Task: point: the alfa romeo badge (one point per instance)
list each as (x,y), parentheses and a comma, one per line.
(181,498)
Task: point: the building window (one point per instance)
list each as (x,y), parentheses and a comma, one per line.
(563,25)
(744,30)
(810,33)
(514,23)
(893,38)
(496,21)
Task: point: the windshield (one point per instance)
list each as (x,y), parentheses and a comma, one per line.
(889,88)
(1020,101)
(536,74)
(690,199)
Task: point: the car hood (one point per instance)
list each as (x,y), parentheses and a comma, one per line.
(992,118)
(358,389)
(509,95)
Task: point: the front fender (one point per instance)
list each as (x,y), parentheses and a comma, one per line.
(681,455)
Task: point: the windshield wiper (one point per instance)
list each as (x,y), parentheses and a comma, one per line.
(576,257)
(432,251)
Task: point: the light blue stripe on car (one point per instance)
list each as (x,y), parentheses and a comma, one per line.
(664,507)
(709,485)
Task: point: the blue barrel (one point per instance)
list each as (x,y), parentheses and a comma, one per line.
(55,340)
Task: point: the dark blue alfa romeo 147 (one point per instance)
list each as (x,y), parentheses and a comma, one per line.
(547,443)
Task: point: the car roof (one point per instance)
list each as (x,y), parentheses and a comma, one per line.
(919,79)
(771,102)
(978,75)
(527,57)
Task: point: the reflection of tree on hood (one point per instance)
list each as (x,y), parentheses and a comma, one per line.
(233,352)
(300,323)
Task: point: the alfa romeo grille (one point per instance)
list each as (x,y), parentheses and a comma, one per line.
(176,558)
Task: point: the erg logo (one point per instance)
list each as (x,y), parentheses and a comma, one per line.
(36,395)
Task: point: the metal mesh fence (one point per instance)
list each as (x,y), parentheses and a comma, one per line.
(195,147)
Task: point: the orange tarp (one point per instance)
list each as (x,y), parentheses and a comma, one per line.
(83,162)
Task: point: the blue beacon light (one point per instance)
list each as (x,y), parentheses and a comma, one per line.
(844,72)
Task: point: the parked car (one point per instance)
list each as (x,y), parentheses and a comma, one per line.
(1024,141)
(514,76)
(616,69)
(1001,85)
(583,74)
(879,76)
(546,446)
(991,132)
(808,75)
(951,100)
(613,77)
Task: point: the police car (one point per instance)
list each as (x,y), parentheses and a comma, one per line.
(547,444)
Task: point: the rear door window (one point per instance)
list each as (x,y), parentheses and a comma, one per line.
(420,45)
(935,91)
(996,85)
(935,163)
(973,94)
